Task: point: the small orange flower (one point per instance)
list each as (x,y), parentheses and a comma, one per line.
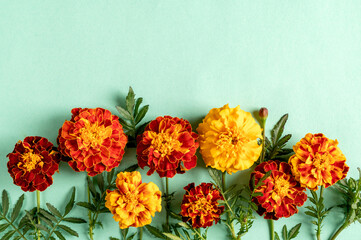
(33,163)
(93,139)
(200,205)
(318,161)
(133,203)
(166,143)
(281,193)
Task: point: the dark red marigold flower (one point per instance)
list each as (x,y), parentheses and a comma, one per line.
(93,139)
(166,143)
(200,205)
(281,193)
(33,163)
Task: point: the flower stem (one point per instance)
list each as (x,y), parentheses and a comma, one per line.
(90,218)
(342,227)
(229,217)
(167,202)
(263,125)
(140,236)
(38,211)
(272,229)
(319,220)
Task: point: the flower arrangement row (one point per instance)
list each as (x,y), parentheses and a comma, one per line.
(229,140)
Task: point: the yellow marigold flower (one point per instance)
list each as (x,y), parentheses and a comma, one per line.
(318,161)
(228,139)
(134,203)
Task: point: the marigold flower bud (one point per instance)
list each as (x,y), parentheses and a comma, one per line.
(263,113)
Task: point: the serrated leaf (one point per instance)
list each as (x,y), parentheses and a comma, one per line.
(113,238)
(68,229)
(110,176)
(69,206)
(46,220)
(42,227)
(53,210)
(277,130)
(294,231)
(284,232)
(87,205)
(17,208)
(257,194)
(215,175)
(125,114)
(100,181)
(277,237)
(4,226)
(137,104)
(185,225)
(74,220)
(264,177)
(131,168)
(59,235)
(130,100)
(284,140)
(5,202)
(47,215)
(309,213)
(172,236)
(8,235)
(175,216)
(155,231)
(141,114)
(91,186)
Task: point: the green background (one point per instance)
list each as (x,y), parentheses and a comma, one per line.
(184,58)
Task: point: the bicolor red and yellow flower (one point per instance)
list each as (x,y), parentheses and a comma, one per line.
(93,139)
(229,139)
(281,194)
(133,203)
(200,205)
(318,161)
(33,163)
(167,146)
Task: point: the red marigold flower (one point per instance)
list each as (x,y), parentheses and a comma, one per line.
(33,163)
(166,143)
(200,205)
(281,193)
(93,139)
(318,161)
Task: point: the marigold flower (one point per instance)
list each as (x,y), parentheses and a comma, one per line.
(281,193)
(33,163)
(228,139)
(166,143)
(200,205)
(133,203)
(93,139)
(318,161)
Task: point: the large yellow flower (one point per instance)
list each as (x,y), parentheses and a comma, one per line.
(134,203)
(318,161)
(228,139)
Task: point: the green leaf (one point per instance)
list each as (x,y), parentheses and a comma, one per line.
(137,104)
(110,176)
(47,215)
(155,232)
(294,231)
(130,100)
(260,182)
(74,220)
(8,235)
(4,226)
(277,130)
(100,181)
(284,140)
(69,230)
(70,204)
(216,176)
(17,208)
(53,210)
(125,114)
(172,236)
(59,235)
(141,114)
(91,186)
(131,237)
(87,205)
(131,168)
(284,232)
(277,237)
(42,227)
(5,202)
(312,214)
(185,225)
(113,238)
(175,216)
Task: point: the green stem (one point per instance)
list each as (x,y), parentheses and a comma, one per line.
(263,125)
(90,218)
(38,211)
(229,217)
(319,220)
(272,229)
(198,232)
(13,226)
(342,227)
(140,236)
(167,208)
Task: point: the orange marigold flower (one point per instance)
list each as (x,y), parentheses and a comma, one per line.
(133,203)
(33,163)
(166,143)
(93,139)
(318,161)
(281,193)
(228,139)
(200,205)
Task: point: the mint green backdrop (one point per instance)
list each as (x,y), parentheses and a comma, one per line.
(184,58)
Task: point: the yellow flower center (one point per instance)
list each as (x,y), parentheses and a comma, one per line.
(131,201)
(165,143)
(93,135)
(202,205)
(281,186)
(231,139)
(321,161)
(30,161)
